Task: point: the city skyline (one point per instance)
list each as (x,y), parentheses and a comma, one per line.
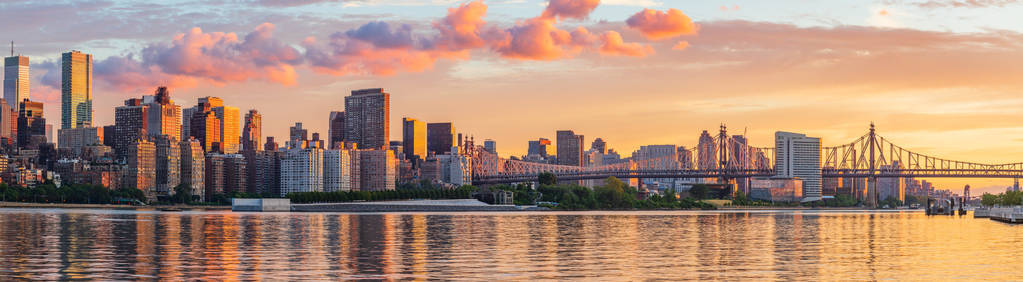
(929,110)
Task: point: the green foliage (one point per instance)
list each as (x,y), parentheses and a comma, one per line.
(182,194)
(842,201)
(613,195)
(547,178)
(890,202)
(71,194)
(1009,198)
(699,191)
(464,192)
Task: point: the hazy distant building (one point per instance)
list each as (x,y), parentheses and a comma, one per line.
(367,118)
(297,136)
(490,146)
(253,131)
(302,171)
(706,152)
(799,156)
(140,167)
(599,146)
(16,80)
(413,139)
(538,147)
(76,89)
(891,187)
(776,189)
(270,144)
(336,129)
(193,168)
(570,148)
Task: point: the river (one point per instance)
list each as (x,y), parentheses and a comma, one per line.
(53,244)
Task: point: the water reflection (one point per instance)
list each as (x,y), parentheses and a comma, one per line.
(121,245)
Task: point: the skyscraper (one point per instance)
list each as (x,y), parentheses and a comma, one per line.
(229,136)
(129,125)
(31,125)
(413,139)
(336,129)
(164,117)
(302,171)
(377,170)
(440,137)
(168,164)
(141,167)
(706,152)
(799,156)
(193,167)
(570,148)
(8,123)
(252,132)
(538,147)
(204,125)
(490,146)
(297,136)
(599,146)
(76,89)
(367,118)
(337,170)
(16,80)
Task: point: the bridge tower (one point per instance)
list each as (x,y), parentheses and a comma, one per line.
(872,179)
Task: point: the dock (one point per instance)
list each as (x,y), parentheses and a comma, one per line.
(1008,215)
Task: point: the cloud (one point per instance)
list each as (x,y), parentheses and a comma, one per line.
(462,28)
(614,45)
(681,45)
(965,3)
(657,25)
(569,9)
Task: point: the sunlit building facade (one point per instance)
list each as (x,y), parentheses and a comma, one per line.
(797,155)
(76,89)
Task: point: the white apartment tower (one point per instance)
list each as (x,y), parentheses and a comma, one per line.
(797,155)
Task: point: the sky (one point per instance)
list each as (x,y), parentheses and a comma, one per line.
(940,77)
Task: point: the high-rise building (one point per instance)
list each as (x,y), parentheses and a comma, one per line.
(538,147)
(799,156)
(130,123)
(367,118)
(225,173)
(76,138)
(164,117)
(264,171)
(16,80)
(270,145)
(302,171)
(253,131)
(599,146)
(337,170)
(141,167)
(336,129)
(706,152)
(440,137)
(8,123)
(377,170)
(31,125)
(413,139)
(297,136)
(570,148)
(76,89)
(229,136)
(168,164)
(193,168)
(490,146)
(204,124)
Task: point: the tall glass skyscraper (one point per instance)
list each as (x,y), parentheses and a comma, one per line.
(15,80)
(76,90)
(367,118)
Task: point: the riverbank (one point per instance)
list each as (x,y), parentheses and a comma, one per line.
(463,205)
(108,206)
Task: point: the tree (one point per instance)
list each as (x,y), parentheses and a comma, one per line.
(989,200)
(182,194)
(699,191)
(547,178)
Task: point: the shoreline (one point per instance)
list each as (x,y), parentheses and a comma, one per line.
(385,207)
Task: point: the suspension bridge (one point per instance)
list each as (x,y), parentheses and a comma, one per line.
(870,156)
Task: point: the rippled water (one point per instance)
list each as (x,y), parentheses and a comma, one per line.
(109,244)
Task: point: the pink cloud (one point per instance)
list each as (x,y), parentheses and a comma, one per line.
(569,9)
(657,25)
(614,45)
(681,45)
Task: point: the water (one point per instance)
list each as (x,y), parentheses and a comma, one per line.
(117,245)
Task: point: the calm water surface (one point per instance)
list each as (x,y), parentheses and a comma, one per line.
(108,244)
